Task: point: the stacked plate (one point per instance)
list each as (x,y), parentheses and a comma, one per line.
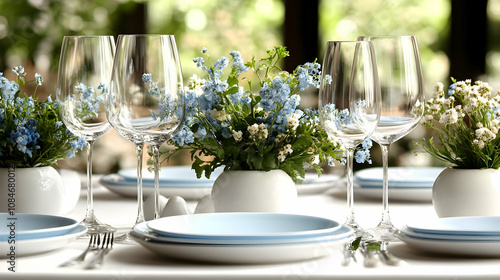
(34,233)
(242,237)
(405,183)
(174,180)
(182,181)
(468,236)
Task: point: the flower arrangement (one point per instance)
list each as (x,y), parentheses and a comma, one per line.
(31,131)
(257,128)
(467,120)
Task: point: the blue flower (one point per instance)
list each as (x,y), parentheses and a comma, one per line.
(19,71)
(203,50)
(183,136)
(362,156)
(238,62)
(451,89)
(25,137)
(367,144)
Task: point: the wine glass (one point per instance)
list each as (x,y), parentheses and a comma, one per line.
(402,106)
(146,103)
(349,103)
(83,81)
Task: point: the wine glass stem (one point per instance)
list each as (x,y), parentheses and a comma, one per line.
(350,189)
(89,215)
(385,185)
(140,207)
(156,160)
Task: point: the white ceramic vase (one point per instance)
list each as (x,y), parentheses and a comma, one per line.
(36,190)
(467,192)
(254,191)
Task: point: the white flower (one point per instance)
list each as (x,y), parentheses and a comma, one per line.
(219,115)
(292,121)
(450,116)
(257,131)
(439,87)
(237,135)
(287,149)
(478,143)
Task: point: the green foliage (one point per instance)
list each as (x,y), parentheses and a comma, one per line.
(31,131)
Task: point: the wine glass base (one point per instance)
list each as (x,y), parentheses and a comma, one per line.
(384,233)
(125,238)
(358,231)
(97,227)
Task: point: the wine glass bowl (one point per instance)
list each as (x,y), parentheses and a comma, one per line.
(402,105)
(146,103)
(349,102)
(82,86)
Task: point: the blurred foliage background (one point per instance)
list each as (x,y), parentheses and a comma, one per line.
(31,33)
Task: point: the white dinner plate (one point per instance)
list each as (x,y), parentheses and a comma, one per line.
(242,253)
(41,245)
(117,184)
(243,226)
(142,230)
(33,226)
(465,226)
(313,184)
(173,175)
(454,247)
(410,233)
(396,194)
(399,177)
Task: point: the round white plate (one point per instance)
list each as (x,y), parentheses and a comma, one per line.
(410,233)
(42,245)
(454,247)
(240,226)
(243,253)
(396,194)
(465,226)
(314,185)
(143,231)
(117,184)
(182,174)
(399,177)
(32,226)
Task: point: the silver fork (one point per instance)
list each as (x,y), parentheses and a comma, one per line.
(107,245)
(94,243)
(387,257)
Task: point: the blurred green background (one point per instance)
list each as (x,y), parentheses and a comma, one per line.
(456,38)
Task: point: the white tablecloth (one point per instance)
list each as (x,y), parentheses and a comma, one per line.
(136,262)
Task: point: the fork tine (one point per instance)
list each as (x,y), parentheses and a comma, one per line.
(93,243)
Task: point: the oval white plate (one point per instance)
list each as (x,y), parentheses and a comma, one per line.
(410,233)
(454,247)
(396,194)
(117,184)
(182,174)
(142,230)
(31,226)
(243,226)
(399,177)
(42,245)
(243,253)
(486,226)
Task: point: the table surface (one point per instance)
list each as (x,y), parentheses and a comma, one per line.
(135,262)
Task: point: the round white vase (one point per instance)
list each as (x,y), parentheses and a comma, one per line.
(254,191)
(34,190)
(467,192)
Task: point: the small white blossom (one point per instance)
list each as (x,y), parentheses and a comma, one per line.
(292,121)
(237,135)
(450,116)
